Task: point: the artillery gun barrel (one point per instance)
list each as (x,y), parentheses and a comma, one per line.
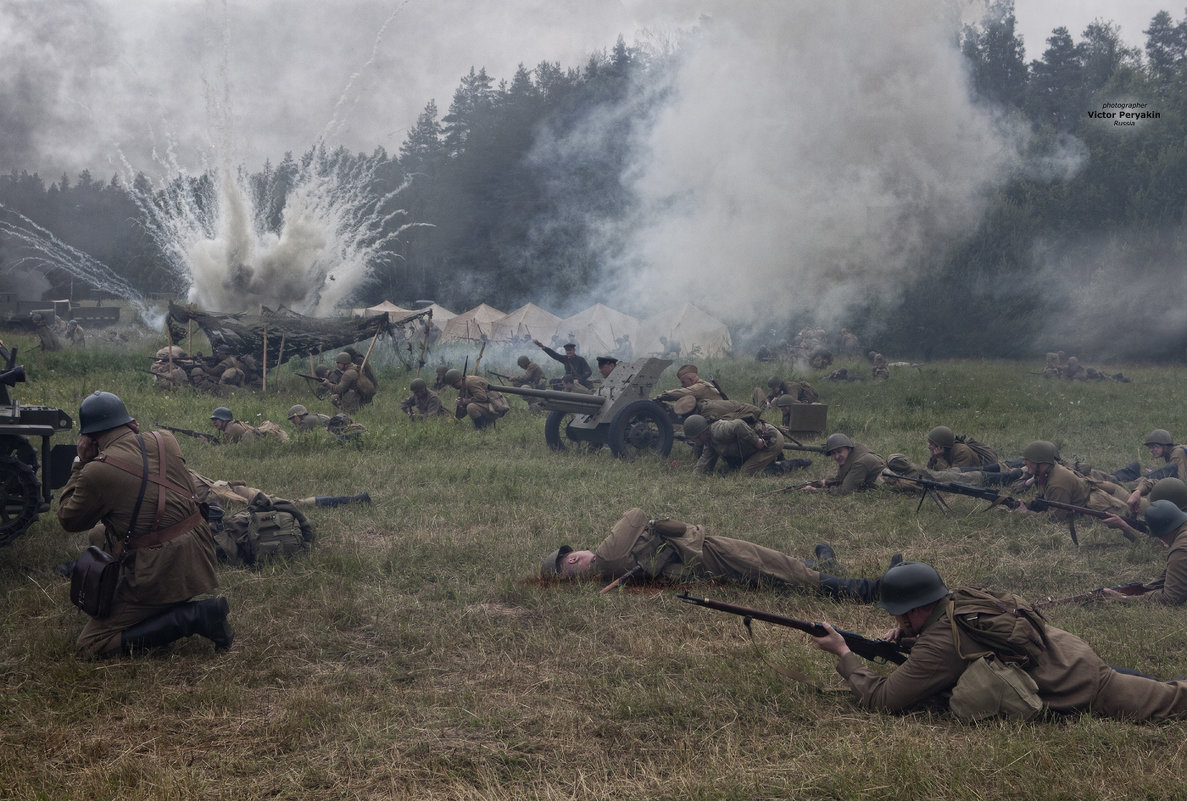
(594,402)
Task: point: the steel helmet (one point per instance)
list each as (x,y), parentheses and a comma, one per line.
(551,565)
(909,585)
(297,411)
(1159,436)
(1169,489)
(774,381)
(523,361)
(695,425)
(222,413)
(101,411)
(343,358)
(1163,517)
(452,376)
(784,401)
(1041,452)
(836,441)
(941,437)
(418,385)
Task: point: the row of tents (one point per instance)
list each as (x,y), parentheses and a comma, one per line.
(598,330)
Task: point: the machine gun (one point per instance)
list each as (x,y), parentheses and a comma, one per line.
(189,432)
(932,488)
(26,495)
(874,650)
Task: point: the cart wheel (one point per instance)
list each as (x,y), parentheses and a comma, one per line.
(556,430)
(20,500)
(641,427)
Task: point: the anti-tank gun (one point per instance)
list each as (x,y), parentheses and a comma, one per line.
(24,495)
(619,413)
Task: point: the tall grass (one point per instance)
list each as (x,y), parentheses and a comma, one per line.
(413,655)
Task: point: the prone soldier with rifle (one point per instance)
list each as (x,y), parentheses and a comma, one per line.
(189,432)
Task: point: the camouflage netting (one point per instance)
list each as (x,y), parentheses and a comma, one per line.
(284,329)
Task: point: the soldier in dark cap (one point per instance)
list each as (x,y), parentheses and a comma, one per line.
(606,365)
(575,365)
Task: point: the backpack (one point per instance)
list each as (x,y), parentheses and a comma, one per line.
(499,404)
(343,429)
(267,529)
(270,430)
(985,453)
(1001,624)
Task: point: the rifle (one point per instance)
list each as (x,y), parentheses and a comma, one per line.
(717,387)
(791,487)
(164,376)
(506,379)
(462,393)
(793,444)
(1135,588)
(874,650)
(189,432)
(1042,504)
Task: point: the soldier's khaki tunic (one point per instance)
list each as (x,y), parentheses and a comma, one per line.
(1064,486)
(681,552)
(310,421)
(702,390)
(420,408)
(1178,455)
(736,442)
(475,397)
(1070,676)
(152,579)
(344,393)
(237,431)
(1173,583)
(861,470)
(532,377)
(959,455)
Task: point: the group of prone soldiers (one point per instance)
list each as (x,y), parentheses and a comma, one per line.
(351,382)
(1056,366)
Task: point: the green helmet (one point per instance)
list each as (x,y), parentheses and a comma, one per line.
(523,361)
(222,413)
(418,385)
(1159,436)
(1041,452)
(836,442)
(452,376)
(343,358)
(694,425)
(909,585)
(551,565)
(774,381)
(941,437)
(1170,489)
(899,463)
(1163,517)
(297,411)
(101,411)
(786,400)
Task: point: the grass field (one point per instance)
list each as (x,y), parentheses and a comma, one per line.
(413,655)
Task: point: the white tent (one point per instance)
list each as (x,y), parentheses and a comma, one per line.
(470,326)
(596,330)
(698,332)
(528,321)
(387,307)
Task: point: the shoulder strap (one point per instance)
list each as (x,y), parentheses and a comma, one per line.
(155,535)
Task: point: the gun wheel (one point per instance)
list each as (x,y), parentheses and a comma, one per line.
(641,427)
(19,498)
(557,434)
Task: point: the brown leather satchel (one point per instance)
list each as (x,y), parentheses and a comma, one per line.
(93,582)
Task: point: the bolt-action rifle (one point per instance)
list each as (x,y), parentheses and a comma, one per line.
(1136,588)
(506,379)
(189,432)
(816,482)
(873,650)
(1042,505)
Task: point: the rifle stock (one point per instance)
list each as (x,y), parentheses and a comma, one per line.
(873,650)
(790,487)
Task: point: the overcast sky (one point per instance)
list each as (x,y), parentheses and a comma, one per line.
(88,81)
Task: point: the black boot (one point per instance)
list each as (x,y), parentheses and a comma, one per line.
(1000,479)
(847,589)
(339,500)
(897,559)
(208,618)
(1131,472)
(826,559)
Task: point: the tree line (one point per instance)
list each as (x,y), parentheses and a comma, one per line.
(504,227)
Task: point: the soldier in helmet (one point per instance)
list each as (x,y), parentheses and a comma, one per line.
(439,383)
(152,605)
(476,399)
(691,385)
(1167,521)
(858,467)
(45,332)
(1161,446)
(224,368)
(798,391)
(423,403)
(1067,674)
(76,335)
(738,444)
(676,551)
(304,420)
(344,392)
(1054,482)
(230,429)
(881,369)
(947,451)
(532,376)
